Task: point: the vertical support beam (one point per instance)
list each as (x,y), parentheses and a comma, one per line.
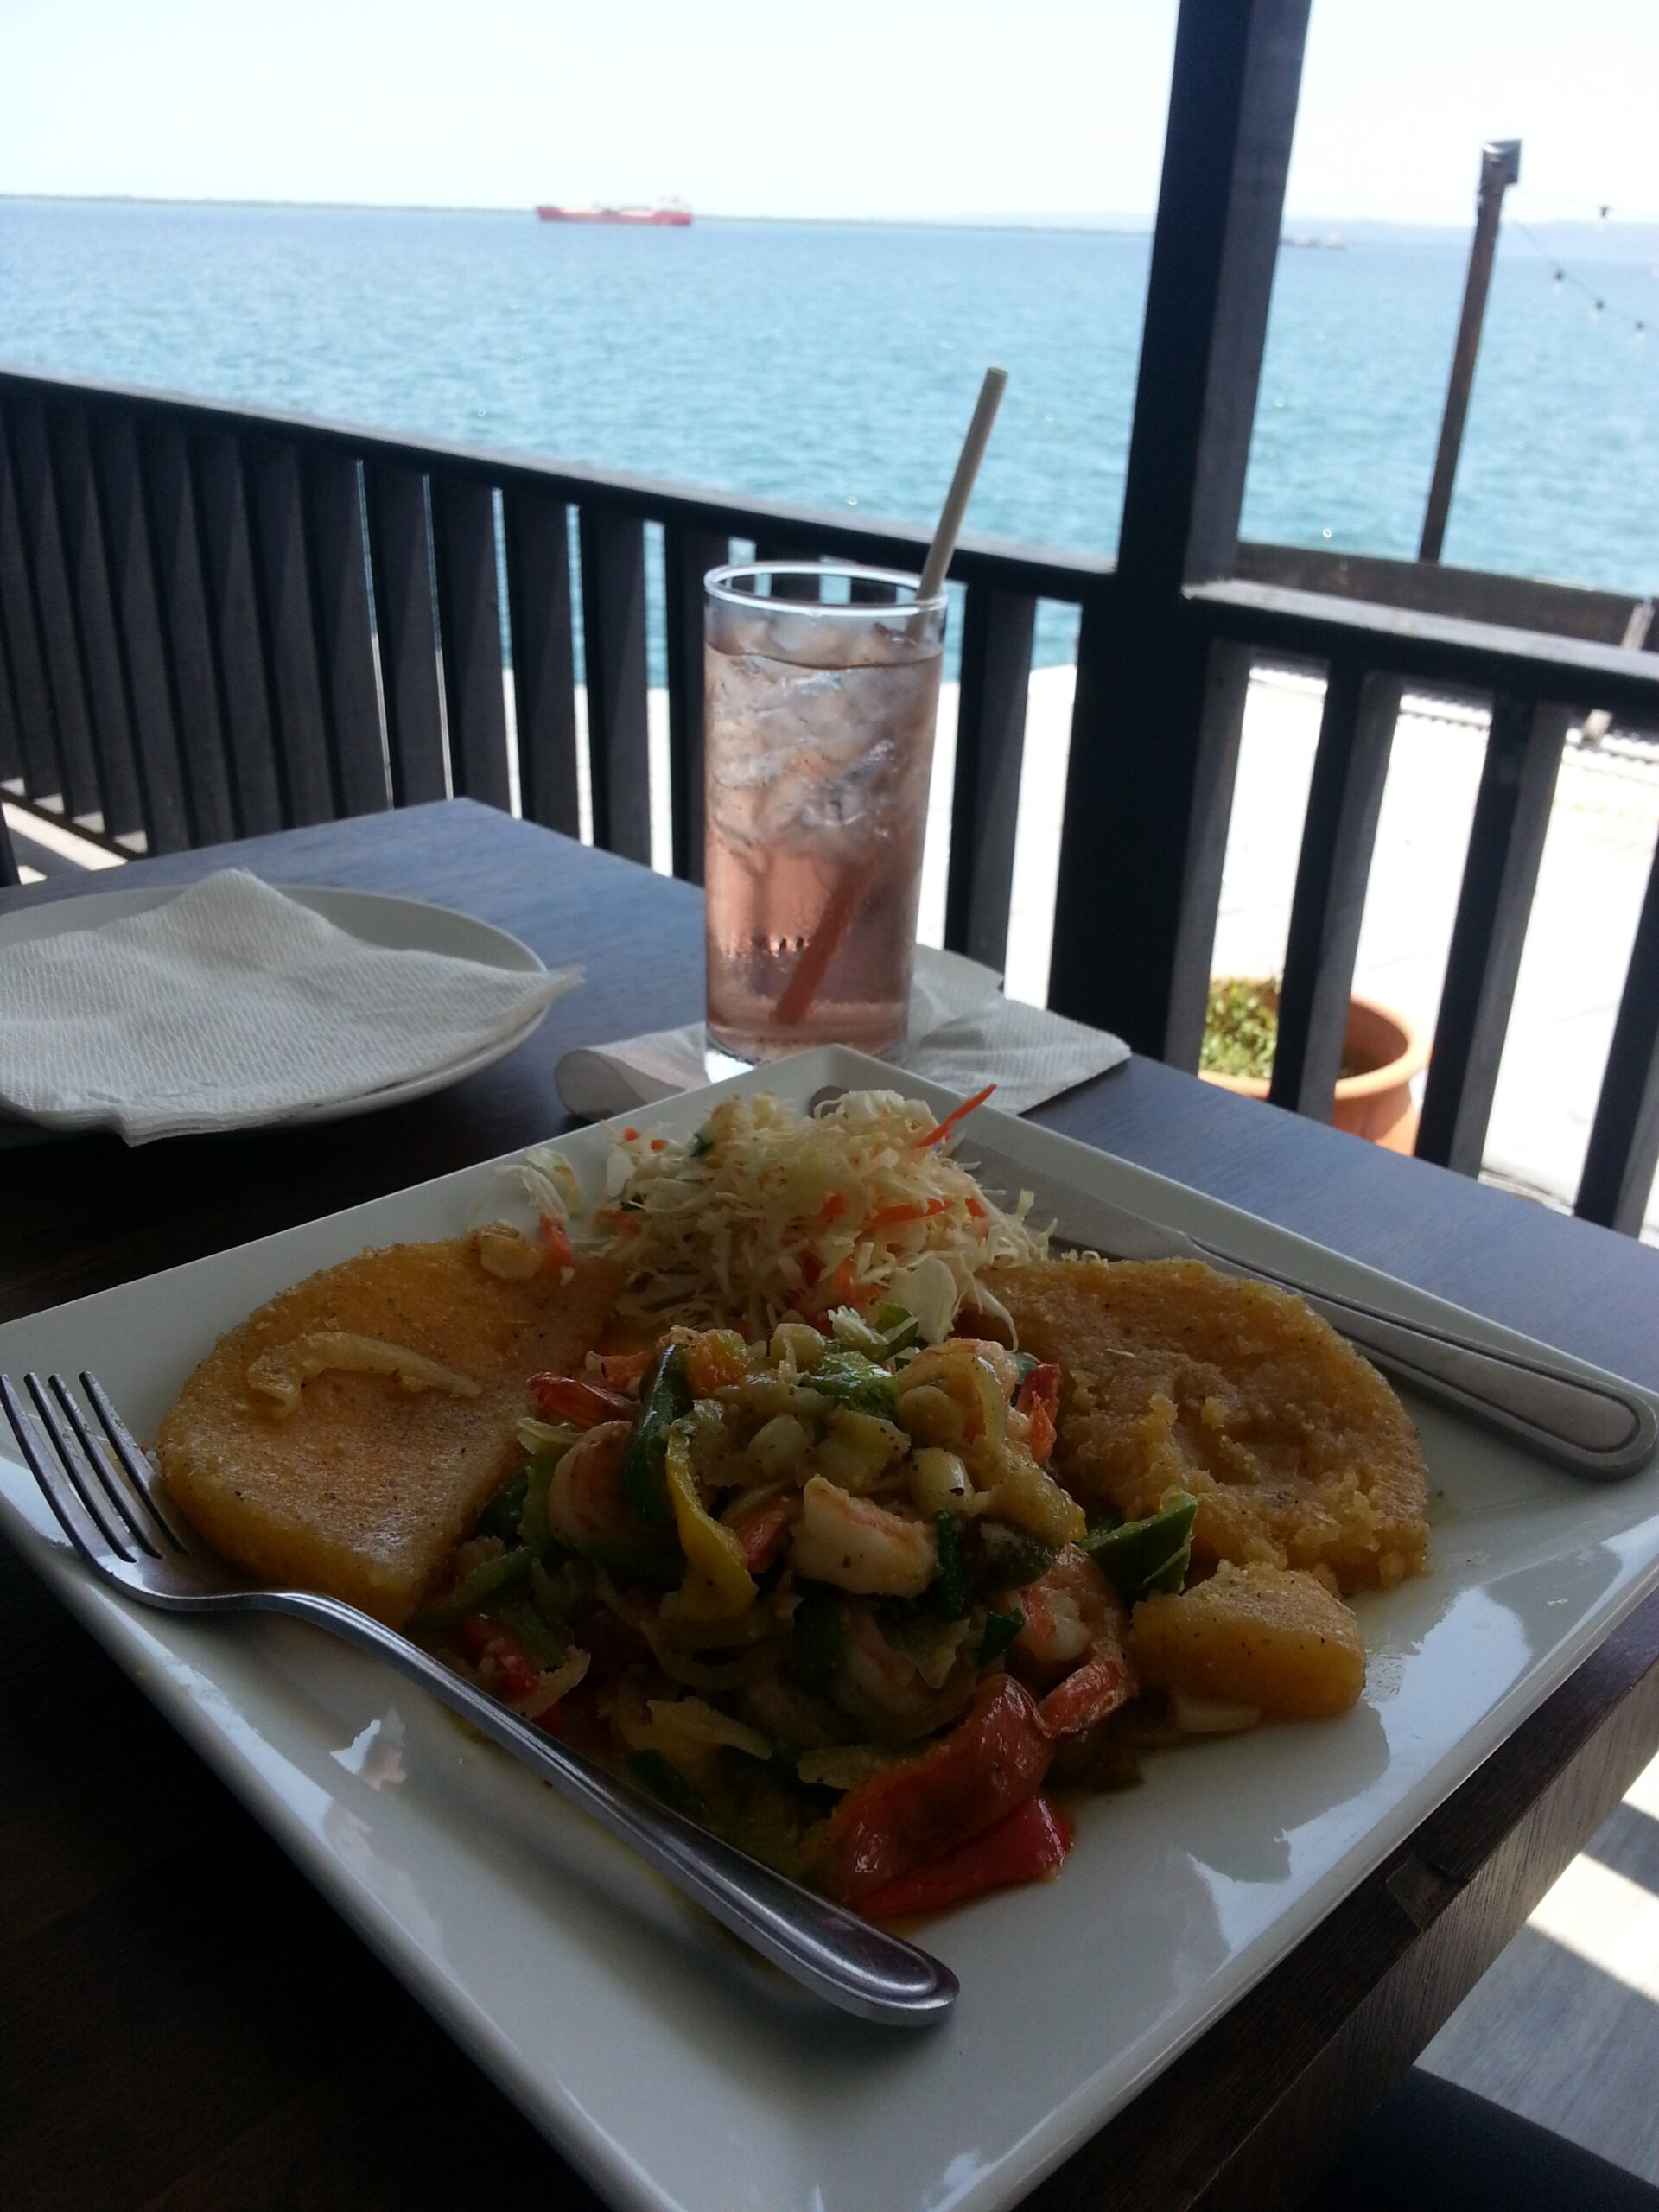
(405,627)
(469,617)
(290,625)
(1345,797)
(171,499)
(340,565)
(1624,1149)
(688,555)
(143,635)
(233,595)
(1500,167)
(1220,730)
(70,448)
(8,875)
(996,638)
(614,626)
(1142,680)
(59,634)
(37,729)
(543,658)
(1506,845)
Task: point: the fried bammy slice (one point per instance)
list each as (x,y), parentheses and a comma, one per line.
(1298,1451)
(343,1437)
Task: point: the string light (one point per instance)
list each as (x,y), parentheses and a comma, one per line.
(1559,275)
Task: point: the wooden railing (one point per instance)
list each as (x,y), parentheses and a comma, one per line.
(216,622)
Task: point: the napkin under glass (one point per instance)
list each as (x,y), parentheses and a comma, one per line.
(962,1034)
(231,1005)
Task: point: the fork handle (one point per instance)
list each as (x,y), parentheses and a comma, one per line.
(852,1964)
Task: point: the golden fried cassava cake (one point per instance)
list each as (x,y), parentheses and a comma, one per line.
(1298,1451)
(346,1436)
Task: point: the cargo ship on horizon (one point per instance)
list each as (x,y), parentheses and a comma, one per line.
(674,216)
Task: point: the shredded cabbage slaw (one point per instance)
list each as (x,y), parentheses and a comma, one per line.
(770,1213)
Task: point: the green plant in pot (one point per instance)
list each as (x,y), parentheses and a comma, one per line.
(1383,1051)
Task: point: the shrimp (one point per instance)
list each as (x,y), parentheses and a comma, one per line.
(586,1508)
(896,1696)
(857,1545)
(1073,1638)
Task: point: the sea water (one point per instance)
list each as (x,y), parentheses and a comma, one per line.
(837,364)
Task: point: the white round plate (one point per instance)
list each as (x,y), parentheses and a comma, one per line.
(398,925)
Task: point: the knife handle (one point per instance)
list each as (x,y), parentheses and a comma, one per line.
(1601,1431)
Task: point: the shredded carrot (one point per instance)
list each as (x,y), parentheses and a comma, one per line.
(630,1136)
(834,1206)
(843,1284)
(910,1210)
(558,1241)
(976,1209)
(968,1105)
(660,1144)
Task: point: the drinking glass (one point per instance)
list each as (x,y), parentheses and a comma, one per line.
(821,687)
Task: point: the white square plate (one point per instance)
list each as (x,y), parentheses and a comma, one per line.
(666,2065)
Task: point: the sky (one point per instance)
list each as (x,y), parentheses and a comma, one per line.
(876,109)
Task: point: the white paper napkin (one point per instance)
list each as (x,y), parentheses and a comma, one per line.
(232,1005)
(963,1034)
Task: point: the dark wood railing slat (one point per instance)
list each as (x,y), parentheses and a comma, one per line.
(614,634)
(233,595)
(183,593)
(340,565)
(58,631)
(401,557)
(1506,846)
(276,495)
(12,748)
(87,563)
(469,616)
(538,534)
(163,802)
(688,555)
(37,734)
(9,876)
(997,638)
(1624,1148)
(1350,769)
(1220,730)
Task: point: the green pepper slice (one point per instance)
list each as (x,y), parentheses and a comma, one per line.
(500,1516)
(1000,1628)
(488,1580)
(953,1574)
(664,1781)
(664,1398)
(848,1378)
(1148,1555)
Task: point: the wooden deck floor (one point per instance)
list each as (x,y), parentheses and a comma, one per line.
(1565,2028)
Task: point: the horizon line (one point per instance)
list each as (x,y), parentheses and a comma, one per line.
(1101,223)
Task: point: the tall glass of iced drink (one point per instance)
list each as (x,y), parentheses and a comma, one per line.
(818,741)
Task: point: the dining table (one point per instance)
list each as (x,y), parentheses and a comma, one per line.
(190,2027)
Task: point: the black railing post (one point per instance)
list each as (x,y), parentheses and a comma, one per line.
(1138,732)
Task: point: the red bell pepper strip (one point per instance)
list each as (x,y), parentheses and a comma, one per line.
(498,1656)
(1030,1844)
(582,1405)
(897,1820)
(1039,1398)
(957,1113)
(762,1535)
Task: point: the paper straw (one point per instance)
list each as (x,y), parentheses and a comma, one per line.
(962,484)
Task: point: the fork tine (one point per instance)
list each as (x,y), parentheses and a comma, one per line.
(69,1509)
(131,1455)
(84,1485)
(98,1460)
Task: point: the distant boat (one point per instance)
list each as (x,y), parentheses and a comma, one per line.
(1333,242)
(674,216)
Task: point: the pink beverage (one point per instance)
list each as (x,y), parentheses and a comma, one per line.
(818,744)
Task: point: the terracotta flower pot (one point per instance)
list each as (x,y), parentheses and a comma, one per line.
(1377,1103)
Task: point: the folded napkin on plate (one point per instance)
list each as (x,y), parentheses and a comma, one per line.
(963,1034)
(231,1005)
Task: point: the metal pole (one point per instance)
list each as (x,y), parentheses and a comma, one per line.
(1500,167)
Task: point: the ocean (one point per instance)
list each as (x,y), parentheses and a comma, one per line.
(837,364)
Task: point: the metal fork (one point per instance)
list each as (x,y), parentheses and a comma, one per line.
(103,1491)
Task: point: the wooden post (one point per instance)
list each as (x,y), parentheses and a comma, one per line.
(1500,167)
(1147,759)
